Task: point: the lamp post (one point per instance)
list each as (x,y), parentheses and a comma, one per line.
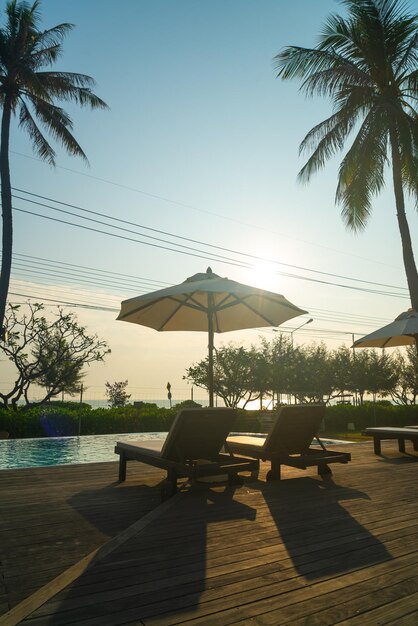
(304,324)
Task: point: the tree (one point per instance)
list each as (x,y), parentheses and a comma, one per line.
(232,374)
(116,393)
(360,372)
(314,374)
(49,352)
(63,374)
(342,369)
(368,64)
(382,377)
(280,358)
(406,365)
(29,90)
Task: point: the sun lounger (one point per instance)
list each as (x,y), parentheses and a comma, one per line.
(289,442)
(381,433)
(191,449)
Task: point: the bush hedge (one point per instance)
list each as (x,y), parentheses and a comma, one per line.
(337,418)
(55,420)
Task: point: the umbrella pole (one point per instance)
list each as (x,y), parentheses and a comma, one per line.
(210,346)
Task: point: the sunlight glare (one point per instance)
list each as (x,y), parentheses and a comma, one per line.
(264,275)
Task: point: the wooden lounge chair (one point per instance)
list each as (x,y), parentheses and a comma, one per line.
(409,433)
(191,449)
(289,442)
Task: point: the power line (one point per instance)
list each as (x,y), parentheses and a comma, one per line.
(73,277)
(205,256)
(94,270)
(67,303)
(343,315)
(190,240)
(195,208)
(85,304)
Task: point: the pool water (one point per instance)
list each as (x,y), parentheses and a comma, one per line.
(18,453)
(41,452)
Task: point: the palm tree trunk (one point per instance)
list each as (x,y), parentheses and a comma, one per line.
(407,251)
(6,205)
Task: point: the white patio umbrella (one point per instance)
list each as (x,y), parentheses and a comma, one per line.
(207,302)
(403,331)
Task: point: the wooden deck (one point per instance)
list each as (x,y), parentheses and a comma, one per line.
(311,551)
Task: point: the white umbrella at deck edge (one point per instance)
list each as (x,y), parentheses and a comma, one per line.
(403,331)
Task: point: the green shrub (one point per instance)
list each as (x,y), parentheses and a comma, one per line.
(187,404)
(53,420)
(67,404)
(49,421)
(338,417)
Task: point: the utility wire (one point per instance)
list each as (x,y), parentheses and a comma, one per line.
(93,270)
(352,317)
(190,240)
(194,208)
(317,317)
(320,314)
(207,256)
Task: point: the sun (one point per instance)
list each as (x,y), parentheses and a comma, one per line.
(263,275)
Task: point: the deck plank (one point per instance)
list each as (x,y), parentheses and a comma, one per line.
(303,551)
(51,517)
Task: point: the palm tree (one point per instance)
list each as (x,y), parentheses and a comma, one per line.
(368,64)
(29,90)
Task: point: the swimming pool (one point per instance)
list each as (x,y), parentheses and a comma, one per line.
(41,452)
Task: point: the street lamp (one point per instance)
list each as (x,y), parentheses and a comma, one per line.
(304,324)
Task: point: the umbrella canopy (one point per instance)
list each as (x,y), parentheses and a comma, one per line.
(207,302)
(403,331)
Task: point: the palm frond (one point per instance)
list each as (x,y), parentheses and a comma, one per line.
(45,56)
(58,124)
(407,137)
(53,36)
(71,87)
(408,52)
(361,174)
(40,144)
(326,139)
(411,83)
(30,83)
(329,82)
(297,62)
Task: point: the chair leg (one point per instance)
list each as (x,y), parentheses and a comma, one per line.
(122,467)
(169,485)
(274,472)
(324,469)
(255,473)
(235,479)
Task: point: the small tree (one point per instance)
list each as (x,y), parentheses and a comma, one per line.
(279,356)
(382,375)
(62,375)
(407,367)
(359,374)
(49,352)
(116,393)
(314,375)
(232,374)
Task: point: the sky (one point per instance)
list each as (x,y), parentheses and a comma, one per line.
(201,141)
